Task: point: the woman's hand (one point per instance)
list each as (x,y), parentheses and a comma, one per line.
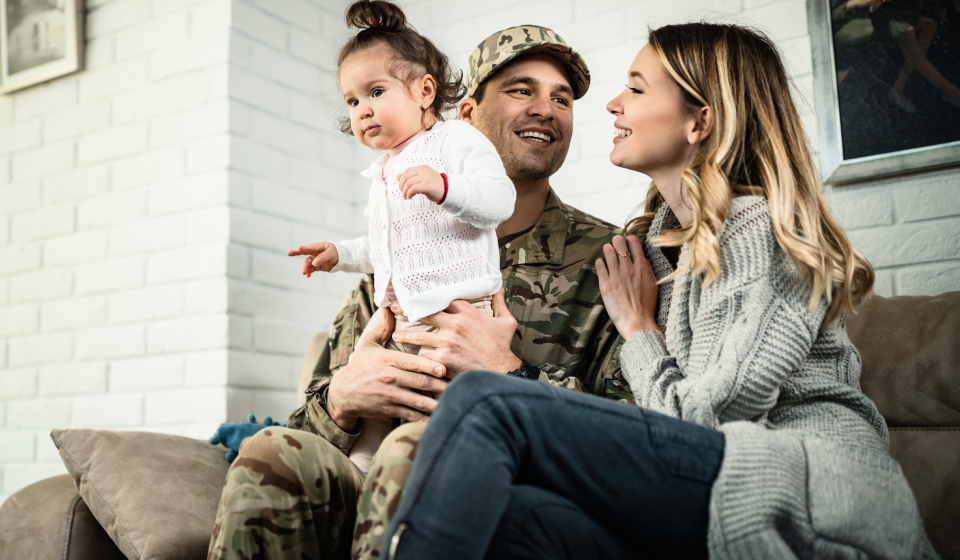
(628,286)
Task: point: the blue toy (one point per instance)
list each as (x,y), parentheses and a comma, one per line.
(231,434)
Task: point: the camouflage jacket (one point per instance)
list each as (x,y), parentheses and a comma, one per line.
(551,289)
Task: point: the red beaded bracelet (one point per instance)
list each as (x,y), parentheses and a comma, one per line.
(446,188)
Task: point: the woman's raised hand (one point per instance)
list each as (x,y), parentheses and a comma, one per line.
(628,286)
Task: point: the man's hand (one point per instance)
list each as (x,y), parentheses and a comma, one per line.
(381,383)
(321,256)
(421,180)
(469,338)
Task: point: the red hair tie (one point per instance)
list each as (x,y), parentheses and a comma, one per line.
(374,21)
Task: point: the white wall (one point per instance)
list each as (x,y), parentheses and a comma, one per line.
(146,203)
(294,178)
(908,227)
(113,255)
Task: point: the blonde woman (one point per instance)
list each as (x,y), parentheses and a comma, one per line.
(752,438)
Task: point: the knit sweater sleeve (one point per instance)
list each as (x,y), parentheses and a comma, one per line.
(739,339)
(353,256)
(479,193)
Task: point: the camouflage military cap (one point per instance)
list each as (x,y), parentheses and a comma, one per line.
(503,46)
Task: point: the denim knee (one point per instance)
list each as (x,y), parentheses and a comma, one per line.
(470,387)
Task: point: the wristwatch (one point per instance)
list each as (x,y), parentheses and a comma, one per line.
(525,371)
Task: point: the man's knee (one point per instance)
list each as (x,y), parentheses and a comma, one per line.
(284,453)
(401,443)
(268,444)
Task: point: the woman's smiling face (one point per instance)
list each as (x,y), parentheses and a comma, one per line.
(383,111)
(652,120)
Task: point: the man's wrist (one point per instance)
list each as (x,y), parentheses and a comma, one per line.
(510,363)
(525,371)
(346,422)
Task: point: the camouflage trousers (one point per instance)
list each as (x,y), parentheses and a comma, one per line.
(292,494)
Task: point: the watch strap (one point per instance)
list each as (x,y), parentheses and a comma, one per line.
(525,371)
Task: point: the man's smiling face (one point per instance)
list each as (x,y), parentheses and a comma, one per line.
(527,113)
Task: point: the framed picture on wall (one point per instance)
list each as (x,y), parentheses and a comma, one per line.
(887,85)
(39,40)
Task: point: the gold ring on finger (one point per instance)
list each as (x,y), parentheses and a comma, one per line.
(624,255)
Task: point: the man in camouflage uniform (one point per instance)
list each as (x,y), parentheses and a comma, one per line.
(292,494)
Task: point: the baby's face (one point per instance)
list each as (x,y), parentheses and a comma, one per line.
(382,111)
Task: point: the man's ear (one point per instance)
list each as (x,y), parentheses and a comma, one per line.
(467,112)
(702,125)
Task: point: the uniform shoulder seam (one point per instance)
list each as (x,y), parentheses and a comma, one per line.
(575,215)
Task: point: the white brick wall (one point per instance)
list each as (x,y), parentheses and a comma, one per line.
(908,227)
(294,181)
(146,203)
(97,195)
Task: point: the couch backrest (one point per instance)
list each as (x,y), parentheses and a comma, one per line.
(910,347)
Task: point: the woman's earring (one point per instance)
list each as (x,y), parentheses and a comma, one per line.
(426,106)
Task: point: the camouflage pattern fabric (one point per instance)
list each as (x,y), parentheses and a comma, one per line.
(383,488)
(503,46)
(551,289)
(289,495)
(293,493)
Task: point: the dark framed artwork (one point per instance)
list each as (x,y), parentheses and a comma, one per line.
(39,40)
(887,85)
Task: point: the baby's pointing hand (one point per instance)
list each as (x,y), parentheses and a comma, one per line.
(321,256)
(421,180)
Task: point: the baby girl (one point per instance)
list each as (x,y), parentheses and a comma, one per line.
(436,195)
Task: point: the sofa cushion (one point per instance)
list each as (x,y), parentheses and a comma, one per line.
(911,358)
(58,522)
(156,495)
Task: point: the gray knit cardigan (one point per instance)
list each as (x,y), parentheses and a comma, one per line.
(806,471)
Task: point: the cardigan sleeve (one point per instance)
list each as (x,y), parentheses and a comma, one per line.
(480,193)
(353,256)
(747,334)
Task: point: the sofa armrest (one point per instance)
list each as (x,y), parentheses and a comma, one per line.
(49,520)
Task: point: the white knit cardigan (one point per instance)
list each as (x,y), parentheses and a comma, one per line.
(435,253)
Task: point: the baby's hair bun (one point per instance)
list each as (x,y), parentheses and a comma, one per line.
(375,14)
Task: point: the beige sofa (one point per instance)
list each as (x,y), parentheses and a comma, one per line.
(137,509)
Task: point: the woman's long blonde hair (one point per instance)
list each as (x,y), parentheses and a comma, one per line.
(757,146)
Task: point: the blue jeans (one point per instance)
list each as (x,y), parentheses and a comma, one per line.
(510,468)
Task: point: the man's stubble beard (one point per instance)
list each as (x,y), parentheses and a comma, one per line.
(518,167)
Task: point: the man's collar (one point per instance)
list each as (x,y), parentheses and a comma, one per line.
(547,239)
